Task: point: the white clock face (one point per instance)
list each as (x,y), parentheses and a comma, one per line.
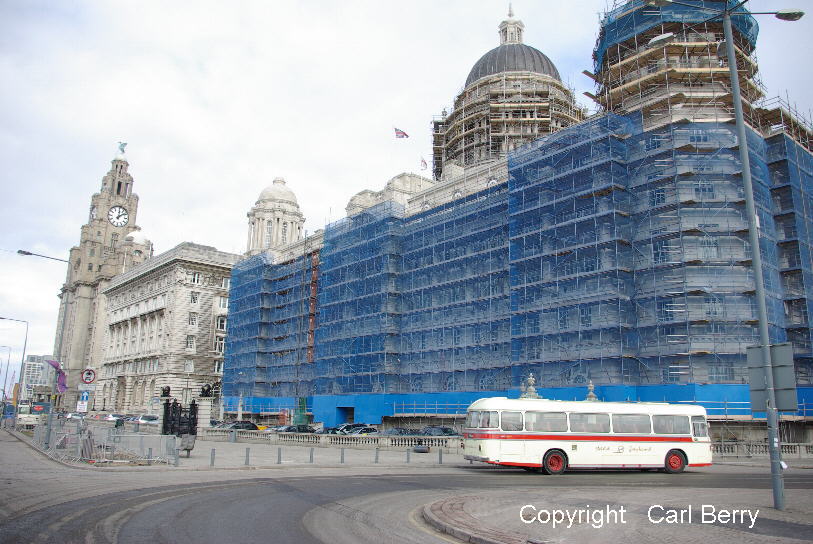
(118,216)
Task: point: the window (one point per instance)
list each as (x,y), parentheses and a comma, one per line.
(220,344)
(590,423)
(220,323)
(225,283)
(114,239)
(193,318)
(90,267)
(714,306)
(190,341)
(92,252)
(511,421)
(218,367)
(657,197)
(699,426)
(196,277)
(224,302)
(703,190)
(586,317)
(489,420)
(709,249)
(631,423)
(670,424)
(193,297)
(473,419)
(546,421)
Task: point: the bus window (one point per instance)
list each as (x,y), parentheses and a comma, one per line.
(511,421)
(632,423)
(590,423)
(699,426)
(473,419)
(546,421)
(489,420)
(671,424)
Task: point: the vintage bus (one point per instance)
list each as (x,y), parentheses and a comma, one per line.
(554,436)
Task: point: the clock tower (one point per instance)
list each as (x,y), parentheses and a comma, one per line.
(110,243)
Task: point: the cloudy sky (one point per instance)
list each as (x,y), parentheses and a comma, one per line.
(217,98)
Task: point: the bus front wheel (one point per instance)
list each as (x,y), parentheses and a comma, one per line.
(554,462)
(675,462)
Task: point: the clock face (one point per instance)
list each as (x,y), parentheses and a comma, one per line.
(118,216)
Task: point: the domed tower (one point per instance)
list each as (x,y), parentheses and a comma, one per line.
(275,220)
(513,95)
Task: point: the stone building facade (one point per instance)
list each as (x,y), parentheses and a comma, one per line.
(166,326)
(110,243)
(275,219)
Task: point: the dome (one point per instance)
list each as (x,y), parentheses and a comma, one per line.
(512,57)
(137,237)
(278,191)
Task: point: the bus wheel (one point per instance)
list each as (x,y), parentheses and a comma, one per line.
(555,462)
(675,462)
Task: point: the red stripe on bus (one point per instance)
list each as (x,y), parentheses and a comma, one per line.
(699,464)
(575,437)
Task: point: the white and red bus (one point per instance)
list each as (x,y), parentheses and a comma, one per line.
(555,435)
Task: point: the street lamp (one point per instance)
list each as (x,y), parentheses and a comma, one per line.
(753,222)
(25,344)
(24,252)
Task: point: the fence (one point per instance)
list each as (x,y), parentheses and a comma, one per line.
(449,444)
(760,449)
(73,440)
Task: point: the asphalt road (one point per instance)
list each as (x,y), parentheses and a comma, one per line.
(296,505)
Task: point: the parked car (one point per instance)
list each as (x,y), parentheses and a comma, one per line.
(113,417)
(147,419)
(297,429)
(347,427)
(75,415)
(329,430)
(399,431)
(363,431)
(241,426)
(434,430)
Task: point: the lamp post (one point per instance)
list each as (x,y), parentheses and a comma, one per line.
(753,221)
(5,372)
(25,344)
(27,253)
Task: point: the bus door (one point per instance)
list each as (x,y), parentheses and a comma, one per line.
(512,447)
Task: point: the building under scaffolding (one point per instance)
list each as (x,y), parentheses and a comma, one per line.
(613,251)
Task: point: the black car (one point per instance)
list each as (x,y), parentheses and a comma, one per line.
(434,430)
(329,430)
(298,429)
(399,431)
(242,426)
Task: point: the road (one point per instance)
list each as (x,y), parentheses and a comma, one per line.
(46,502)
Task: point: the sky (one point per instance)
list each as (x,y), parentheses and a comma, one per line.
(215,99)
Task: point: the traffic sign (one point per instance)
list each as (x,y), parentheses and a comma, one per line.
(84,396)
(88,375)
(82,406)
(86,386)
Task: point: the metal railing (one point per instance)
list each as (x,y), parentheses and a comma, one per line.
(449,444)
(75,441)
(759,449)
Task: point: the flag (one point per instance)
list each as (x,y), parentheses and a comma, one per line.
(61,383)
(400,133)
(423,163)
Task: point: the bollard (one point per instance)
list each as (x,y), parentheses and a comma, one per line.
(407,455)
(233,436)
(440,456)
(248,450)
(149,456)
(177,457)
(311,455)
(212,458)
(376,455)
(341,460)
(279,456)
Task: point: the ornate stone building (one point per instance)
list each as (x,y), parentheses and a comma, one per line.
(513,95)
(166,327)
(275,220)
(109,243)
